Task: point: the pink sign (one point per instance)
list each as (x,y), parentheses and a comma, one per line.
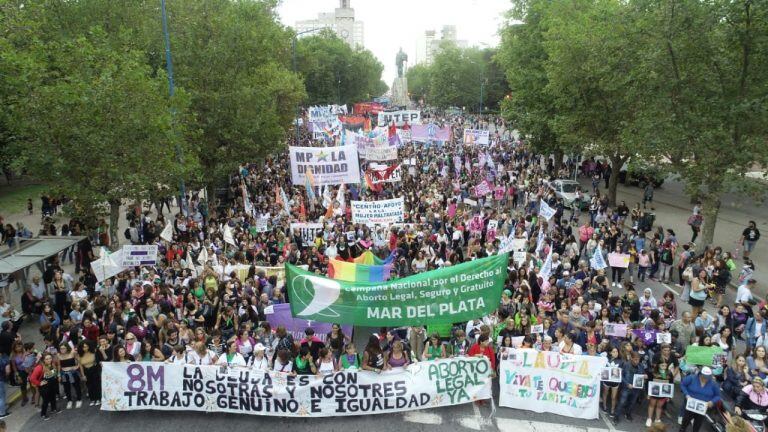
(618,260)
(483,189)
(498,194)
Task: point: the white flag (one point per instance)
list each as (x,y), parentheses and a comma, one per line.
(597,261)
(540,242)
(546,269)
(545,210)
(228,238)
(203,257)
(340,197)
(167,233)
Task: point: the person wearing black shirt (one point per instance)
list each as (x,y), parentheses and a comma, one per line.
(749,238)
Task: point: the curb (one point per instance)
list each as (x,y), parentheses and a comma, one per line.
(14,397)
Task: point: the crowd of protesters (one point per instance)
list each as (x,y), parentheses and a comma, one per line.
(189,310)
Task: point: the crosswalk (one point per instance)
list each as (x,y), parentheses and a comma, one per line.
(478,422)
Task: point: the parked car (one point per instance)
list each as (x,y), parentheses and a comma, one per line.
(566,191)
(638,173)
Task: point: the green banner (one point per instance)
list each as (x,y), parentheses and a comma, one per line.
(701,355)
(452,294)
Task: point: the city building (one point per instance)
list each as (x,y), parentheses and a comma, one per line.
(341,21)
(429,44)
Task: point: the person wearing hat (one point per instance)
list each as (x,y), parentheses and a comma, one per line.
(259,361)
(702,387)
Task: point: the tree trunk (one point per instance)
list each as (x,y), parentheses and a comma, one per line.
(613,180)
(558,162)
(114,220)
(710,209)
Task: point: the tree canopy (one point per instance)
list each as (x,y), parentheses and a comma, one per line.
(334,73)
(460,77)
(681,83)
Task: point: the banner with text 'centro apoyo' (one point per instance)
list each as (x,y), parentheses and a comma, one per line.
(172,387)
(457,293)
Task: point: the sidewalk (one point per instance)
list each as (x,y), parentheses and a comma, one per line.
(30,328)
(672,209)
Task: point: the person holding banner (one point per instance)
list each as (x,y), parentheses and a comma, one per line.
(610,389)
(629,394)
(231,358)
(660,371)
(701,387)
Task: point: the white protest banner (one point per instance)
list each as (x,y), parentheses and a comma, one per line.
(518,247)
(325,113)
(262,224)
(330,165)
(378,212)
(108,264)
(399,117)
(405,135)
(167,233)
(546,268)
(543,381)
(172,387)
(308,231)
(545,210)
(227,235)
(379,153)
(616,330)
(470,202)
(476,136)
(362,141)
(385,174)
(138,255)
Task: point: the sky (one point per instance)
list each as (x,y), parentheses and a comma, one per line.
(392,24)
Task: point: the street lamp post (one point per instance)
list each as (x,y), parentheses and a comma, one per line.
(293,49)
(482,84)
(169,69)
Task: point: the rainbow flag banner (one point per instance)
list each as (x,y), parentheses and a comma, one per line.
(368,258)
(352,272)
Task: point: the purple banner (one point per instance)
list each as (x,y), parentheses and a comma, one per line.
(281,316)
(430,132)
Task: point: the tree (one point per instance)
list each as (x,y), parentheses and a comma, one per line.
(234,60)
(529,107)
(334,73)
(706,87)
(592,53)
(458,76)
(99,127)
(418,77)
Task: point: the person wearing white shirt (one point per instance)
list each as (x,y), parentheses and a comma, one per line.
(259,361)
(744,293)
(231,358)
(201,355)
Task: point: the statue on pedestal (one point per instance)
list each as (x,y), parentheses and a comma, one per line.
(400,60)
